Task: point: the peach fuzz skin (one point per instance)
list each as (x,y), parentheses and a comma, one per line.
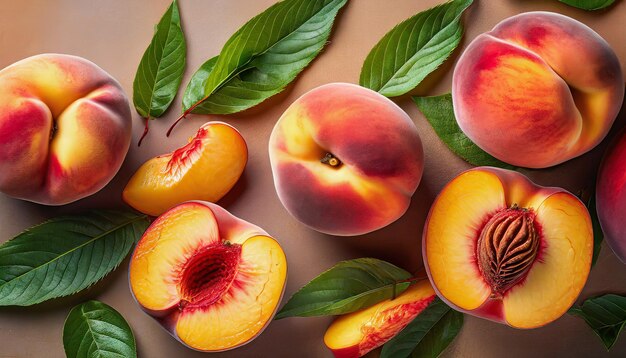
(65,128)
(611,196)
(378,159)
(539,89)
(206,168)
(553,278)
(355,334)
(212,280)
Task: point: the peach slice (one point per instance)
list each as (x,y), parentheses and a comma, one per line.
(497,246)
(539,89)
(204,169)
(210,279)
(355,334)
(611,196)
(345,159)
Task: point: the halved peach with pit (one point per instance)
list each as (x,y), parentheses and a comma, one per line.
(204,169)
(500,247)
(357,333)
(212,280)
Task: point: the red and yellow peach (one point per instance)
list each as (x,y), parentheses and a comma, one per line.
(65,128)
(539,89)
(212,280)
(497,246)
(345,159)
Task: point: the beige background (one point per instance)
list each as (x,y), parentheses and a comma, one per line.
(114,34)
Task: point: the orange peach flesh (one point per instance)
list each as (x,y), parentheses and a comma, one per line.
(204,169)
(557,274)
(355,334)
(375,163)
(212,280)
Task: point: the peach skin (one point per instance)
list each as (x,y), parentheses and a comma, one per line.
(499,247)
(204,169)
(539,89)
(355,334)
(611,196)
(345,159)
(65,128)
(212,280)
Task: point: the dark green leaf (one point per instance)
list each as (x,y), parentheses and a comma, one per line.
(195,88)
(589,4)
(347,287)
(95,330)
(413,49)
(598,235)
(161,68)
(65,255)
(606,315)
(427,335)
(439,112)
(265,55)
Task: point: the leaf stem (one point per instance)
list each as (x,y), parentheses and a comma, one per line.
(145,131)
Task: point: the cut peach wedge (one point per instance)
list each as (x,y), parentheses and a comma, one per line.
(212,280)
(204,169)
(355,334)
(498,246)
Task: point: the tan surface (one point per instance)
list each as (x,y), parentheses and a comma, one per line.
(114,34)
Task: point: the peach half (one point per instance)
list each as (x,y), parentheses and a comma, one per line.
(611,196)
(537,90)
(355,334)
(210,279)
(497,246)
(345,159)
(204,169)
(65,128)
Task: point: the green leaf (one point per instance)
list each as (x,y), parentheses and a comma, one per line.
(347,287)
(96,330)
(427,335)
(195,88)
(65,255)
(413,49)
(265,55)
(598,235)
(606,315)
(161,68)
(439,112)
(589,4)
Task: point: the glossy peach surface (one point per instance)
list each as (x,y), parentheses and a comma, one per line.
(611,196)
(379,152)
(537,90)
(556,275)
(64,128)
(206,168)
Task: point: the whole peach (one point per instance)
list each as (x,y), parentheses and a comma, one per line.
(539,89)
(345,159)
(65,128)
(611,196)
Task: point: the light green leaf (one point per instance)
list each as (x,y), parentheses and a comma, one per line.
(195,88)
(439,112)
(161,68)
(606,315)
(96,330)
(428,335)
(413,49)
(589,4)
(264,56)
(347,287)
(65,255)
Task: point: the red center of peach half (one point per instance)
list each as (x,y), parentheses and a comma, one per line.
(355,334)
(500,247)
(212,280)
